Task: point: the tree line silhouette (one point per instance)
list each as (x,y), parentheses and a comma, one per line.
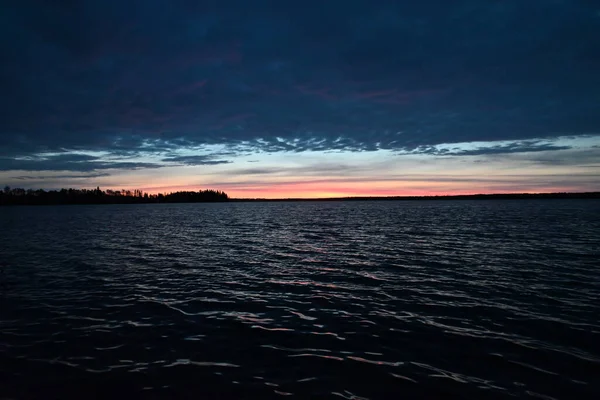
(18,196)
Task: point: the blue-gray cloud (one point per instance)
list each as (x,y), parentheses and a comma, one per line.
(586,158)
(41,178)
(195,160)
(148,76)
(69,162)
(527,146)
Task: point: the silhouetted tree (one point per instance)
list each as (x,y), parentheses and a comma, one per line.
(97,196)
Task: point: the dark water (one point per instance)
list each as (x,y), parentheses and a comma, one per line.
(350,300)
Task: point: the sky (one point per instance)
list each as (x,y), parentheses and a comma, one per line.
(301,98)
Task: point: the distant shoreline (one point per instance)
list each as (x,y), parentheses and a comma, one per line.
(40,197)
(504,196)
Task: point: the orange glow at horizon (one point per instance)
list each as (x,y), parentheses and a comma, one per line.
(305,190)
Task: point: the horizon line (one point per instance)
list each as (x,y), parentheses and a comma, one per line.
(360,197)
(409,197)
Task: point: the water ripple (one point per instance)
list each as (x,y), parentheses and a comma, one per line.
(359,300)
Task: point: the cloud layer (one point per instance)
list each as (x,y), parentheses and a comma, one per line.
(155,77)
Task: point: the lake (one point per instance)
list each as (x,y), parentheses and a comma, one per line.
(355,300)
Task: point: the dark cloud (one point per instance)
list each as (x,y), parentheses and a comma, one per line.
(148,76)
(259,171)
(68,162)
(516,147)
(195,160)
(55,177)
(587,158)
(316,169)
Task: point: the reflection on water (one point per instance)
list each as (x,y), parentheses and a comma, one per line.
(355,300)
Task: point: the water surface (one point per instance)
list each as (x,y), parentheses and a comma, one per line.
(355,300)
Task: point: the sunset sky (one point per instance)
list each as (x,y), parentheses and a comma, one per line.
(301,98)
